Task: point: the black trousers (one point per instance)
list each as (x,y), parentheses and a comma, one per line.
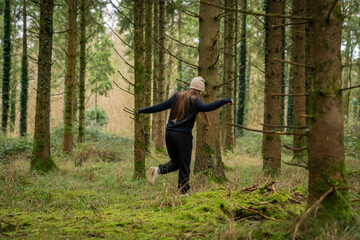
(179,147)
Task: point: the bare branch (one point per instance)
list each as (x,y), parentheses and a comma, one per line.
(292,63)
(123,89)
(121,13)
(127,63)
(295,164)
(125,79)
(225,83)
(294,149)
(283,126)
(290,23)
(255,13)
(168,52)
(117,35)
(252,64)
(348,88)
(291,95)
(187,84)
(186,45)
(332,7)
(267,132)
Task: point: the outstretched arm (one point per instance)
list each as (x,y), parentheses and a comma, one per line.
(158,107)
(202,107)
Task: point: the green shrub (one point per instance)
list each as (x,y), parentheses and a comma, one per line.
(96,118)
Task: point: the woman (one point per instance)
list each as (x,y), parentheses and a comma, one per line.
(184,108)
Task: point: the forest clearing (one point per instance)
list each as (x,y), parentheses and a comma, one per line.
(171,119)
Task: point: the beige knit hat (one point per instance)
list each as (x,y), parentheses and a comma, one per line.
(198,83)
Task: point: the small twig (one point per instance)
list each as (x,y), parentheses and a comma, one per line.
(292,63)
(267,132)
(121,13)
(125,79)
(65,31)
(123,89)
(252,64)
(251,188)
(117,35)
(253,211)
(307,212)
(96,212)
(355,200)
(292,148)
(295,164)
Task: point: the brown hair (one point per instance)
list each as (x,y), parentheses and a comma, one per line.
(182,104)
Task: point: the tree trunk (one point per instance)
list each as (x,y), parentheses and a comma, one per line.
(229,74)
(148,66)
(14,82)
(208,151)
(298,56)
(242,70)
(70,83)
(6,65)
(24,78)
(272,104)
(81,136)
(155,69)
(41,157)
(283,67)
(139,135)
(326,136)
(160,86)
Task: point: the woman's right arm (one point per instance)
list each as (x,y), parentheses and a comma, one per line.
(202,107)
(158,107)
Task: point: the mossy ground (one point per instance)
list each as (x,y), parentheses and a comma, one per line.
(100,198)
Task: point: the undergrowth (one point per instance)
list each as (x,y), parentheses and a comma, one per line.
(93,194)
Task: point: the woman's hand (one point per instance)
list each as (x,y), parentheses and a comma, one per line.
(232,101)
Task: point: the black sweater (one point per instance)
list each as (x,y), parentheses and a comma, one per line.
(187,124)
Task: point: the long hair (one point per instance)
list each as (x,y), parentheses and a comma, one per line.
(183,101)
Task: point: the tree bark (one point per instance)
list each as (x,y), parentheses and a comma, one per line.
(24,78)
(159,140)
(242,70)
(139,134)
(70,83)
(298,56)
(6,66)
(208,150)
(326,136)
(272,104)
(81,136)
(229,52)
(41,158)
(148,68)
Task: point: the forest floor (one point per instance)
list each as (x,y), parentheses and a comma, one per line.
(94,195)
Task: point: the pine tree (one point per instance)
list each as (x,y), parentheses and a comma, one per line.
(81,136)
(41,158)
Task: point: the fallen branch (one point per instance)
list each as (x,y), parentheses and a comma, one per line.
(355,200)
(96,212)
(295,164)
(267,132)
(251,188)
(307,212)
(259,213)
